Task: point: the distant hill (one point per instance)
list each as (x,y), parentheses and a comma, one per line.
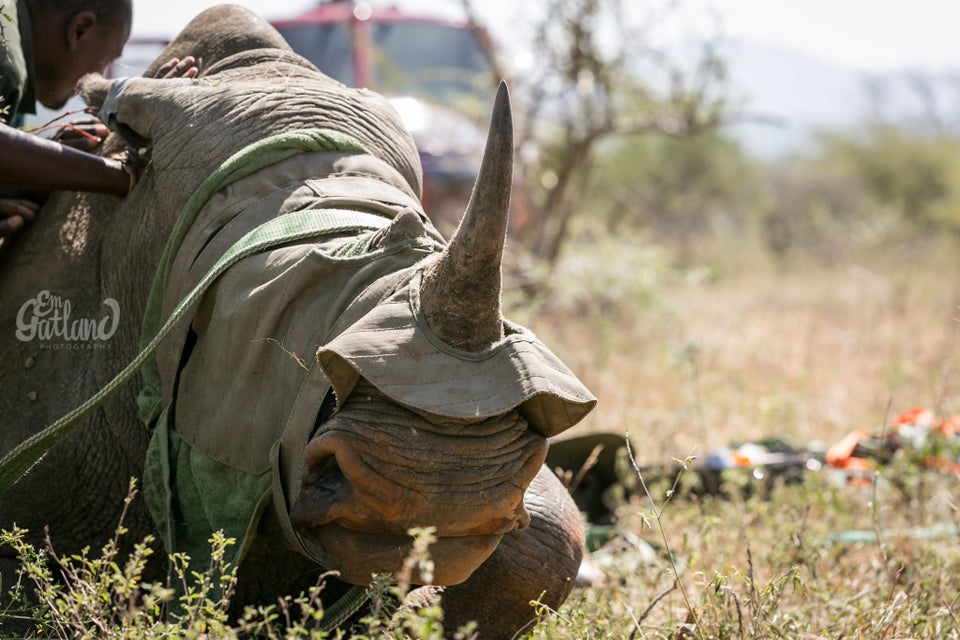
(786,96)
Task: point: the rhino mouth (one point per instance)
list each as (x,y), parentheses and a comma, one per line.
(361,536)
(359,505)
(359,556)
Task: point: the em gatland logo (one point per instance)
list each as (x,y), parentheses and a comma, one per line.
(47,318)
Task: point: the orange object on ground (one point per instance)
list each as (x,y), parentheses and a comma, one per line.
(840,454)
(950,427)
(919,416)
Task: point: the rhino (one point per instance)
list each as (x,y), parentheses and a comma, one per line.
(320,396)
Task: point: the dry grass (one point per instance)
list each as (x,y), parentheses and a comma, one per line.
(807,354)
(687,363)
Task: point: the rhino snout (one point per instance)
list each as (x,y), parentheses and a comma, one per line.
(361,487)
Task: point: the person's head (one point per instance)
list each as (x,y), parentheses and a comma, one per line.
(72,38)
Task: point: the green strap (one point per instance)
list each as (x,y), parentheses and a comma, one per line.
(341,610)
(249,160)
(294,226)
(288,228)
(245,162)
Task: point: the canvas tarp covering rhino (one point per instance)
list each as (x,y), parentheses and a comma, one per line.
(360,292)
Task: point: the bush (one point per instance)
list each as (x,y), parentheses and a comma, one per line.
(101,595)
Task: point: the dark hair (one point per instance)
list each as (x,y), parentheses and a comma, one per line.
(107,11)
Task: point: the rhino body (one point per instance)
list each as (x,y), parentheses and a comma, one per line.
(326,394)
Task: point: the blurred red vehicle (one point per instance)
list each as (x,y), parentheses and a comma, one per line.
(437,68)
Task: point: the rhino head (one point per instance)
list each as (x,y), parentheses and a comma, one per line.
(422,407)
(376,468)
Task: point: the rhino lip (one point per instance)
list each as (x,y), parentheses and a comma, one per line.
(358,556)
(317,508)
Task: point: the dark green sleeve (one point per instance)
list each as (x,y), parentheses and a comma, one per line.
(13,68)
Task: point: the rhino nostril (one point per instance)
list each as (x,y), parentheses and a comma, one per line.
(329,477)
(324,487)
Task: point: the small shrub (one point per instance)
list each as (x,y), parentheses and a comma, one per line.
(100,595)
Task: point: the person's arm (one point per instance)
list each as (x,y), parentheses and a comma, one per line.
(32,162)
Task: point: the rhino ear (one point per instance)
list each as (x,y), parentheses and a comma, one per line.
(109,97)
(460,293)
(93,88)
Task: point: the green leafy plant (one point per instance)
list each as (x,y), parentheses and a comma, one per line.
(101,595)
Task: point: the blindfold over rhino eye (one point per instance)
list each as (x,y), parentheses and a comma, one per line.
(327,409)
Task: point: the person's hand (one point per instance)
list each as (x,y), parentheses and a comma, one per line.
(14,213)
(177,68)
(84,135)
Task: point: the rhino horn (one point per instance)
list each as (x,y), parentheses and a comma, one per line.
(460,293)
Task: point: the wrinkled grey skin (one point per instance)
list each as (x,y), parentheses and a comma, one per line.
(87,248)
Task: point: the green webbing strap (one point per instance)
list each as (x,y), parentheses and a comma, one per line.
(248,160)
(288,228)
(341,610)
(294,226)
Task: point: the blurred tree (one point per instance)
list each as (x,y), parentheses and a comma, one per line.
(917,173)
(879,186)
(919,101)
(908,154)
(679,190)
(818,206)
(597,74)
